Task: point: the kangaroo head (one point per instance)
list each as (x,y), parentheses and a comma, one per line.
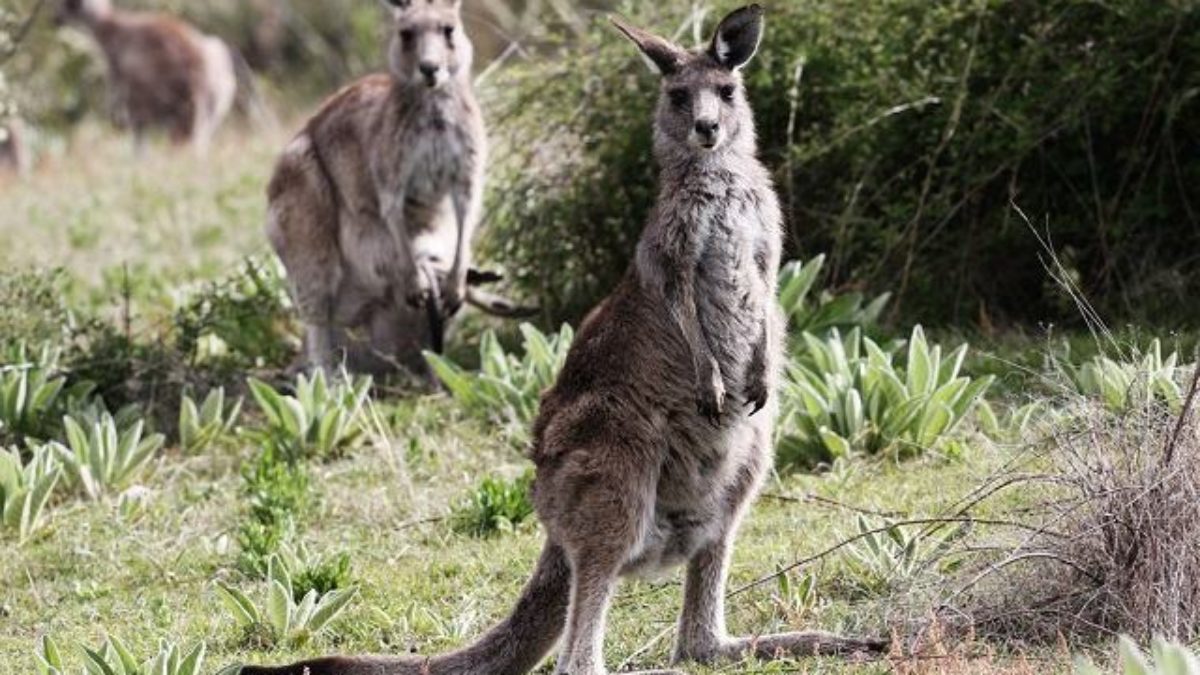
(82,11)
(703,107)
(428,44)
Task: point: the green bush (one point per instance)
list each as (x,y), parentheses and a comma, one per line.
(201,426)
(847,395)
(1124,383)
(276,494)
(822,311)
(900,133)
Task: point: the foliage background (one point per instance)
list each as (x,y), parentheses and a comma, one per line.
(902,135)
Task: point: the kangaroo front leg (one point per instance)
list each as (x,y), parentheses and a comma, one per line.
(466,198)
(410,286)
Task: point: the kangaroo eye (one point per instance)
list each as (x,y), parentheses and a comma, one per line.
(727,91)
(679,97)
(407,35)
(448,31)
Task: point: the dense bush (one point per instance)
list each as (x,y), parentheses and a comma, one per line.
(899,133)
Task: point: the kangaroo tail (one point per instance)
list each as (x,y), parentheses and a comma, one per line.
(512,647)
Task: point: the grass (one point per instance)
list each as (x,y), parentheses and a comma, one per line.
(172,220)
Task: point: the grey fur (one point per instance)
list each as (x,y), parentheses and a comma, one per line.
(657,435)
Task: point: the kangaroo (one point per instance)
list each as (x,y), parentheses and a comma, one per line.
(657,434)
(374,203)
(163,73)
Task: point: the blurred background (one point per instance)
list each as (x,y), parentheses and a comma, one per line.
(971,157)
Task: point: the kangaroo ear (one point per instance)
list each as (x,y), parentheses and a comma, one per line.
(666,56)
(397,5)
(737,37)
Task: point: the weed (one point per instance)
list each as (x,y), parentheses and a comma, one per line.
(201,426)
(105,458)
(1165,658)
(323,420)
(495,506)
(276,492)
(30,386)
(826,311)
(310,572)
(282,618)
(26,487)
(847,395)
(507,388)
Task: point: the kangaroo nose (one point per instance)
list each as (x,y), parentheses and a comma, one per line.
(707,127)
(429,70)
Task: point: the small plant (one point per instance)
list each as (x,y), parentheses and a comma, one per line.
(29,390)
(826,311)
(496,505)
(310,572)
(322,420)
(105,458)
(507,389)
(847,395)
(1165,658)
(880,559)
(26,487)
(201,426)
(1124,384)
(276,492)
(113,658)
(796,598)
(283,619)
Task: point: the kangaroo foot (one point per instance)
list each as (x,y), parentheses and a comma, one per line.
(808,643)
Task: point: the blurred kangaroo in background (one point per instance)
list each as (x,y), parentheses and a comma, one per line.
(374,203)
(657,434)
(14,154)
(163,73)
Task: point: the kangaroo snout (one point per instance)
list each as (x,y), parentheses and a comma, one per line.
(431,72)
(707,133)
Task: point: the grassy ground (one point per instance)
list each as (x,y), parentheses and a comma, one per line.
(173,220)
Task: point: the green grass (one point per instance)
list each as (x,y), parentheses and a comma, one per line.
(173,221)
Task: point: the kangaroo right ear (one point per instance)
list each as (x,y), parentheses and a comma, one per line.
(397,5)
(665,55)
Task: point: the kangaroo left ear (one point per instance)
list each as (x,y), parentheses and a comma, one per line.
(738,37)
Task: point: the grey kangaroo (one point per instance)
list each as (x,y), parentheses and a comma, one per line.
(657,434)
(374,203)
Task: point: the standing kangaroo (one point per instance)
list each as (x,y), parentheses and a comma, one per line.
(657,434)
(374,204)
(162,72)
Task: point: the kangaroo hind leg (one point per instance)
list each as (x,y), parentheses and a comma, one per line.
(302,223)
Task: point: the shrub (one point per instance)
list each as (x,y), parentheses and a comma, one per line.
(105,458)
(242,321)
(882,123)
(507,388)
(886,555)
(496,505)
(282,619)
(201,426)
(323,420)
(26,487)
(847,395)
(33,308)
